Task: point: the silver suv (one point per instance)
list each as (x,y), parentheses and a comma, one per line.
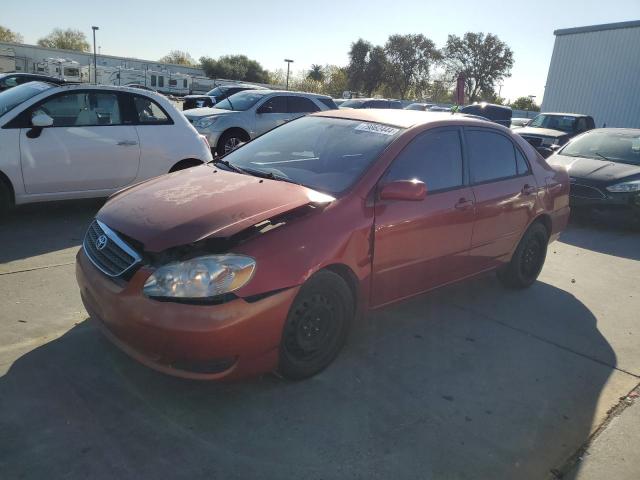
(248,114)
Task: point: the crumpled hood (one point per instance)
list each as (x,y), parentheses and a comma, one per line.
(541,132)
(195,113)
(200,202)
(592,169)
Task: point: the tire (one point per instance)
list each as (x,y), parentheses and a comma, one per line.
(230,140)
(316,326)
(6,200)
(182,164)
(527,260)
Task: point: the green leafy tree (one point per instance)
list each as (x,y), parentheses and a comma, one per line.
(178,57)
(409,59)
(484,60)
(235,67)
(68,39)
(316,73)
(525,103)
(7,35)
(335,80)
(375,70)
(358,60)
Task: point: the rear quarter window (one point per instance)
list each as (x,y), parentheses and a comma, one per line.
(328,102)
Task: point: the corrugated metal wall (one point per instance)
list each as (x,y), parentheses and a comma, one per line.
(596,73)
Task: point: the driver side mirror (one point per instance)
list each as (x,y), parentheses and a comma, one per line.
(408,190)
(41,120)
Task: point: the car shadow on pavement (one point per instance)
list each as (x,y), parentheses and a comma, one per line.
(611,238)
(35,229)
(447,385)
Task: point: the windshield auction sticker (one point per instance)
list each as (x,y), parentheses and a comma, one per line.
(377,128)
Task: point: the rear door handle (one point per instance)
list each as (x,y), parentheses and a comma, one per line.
(127,143)
(463,204)
(529,190)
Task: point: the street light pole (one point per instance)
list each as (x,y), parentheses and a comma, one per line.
(95,58)
(289,62)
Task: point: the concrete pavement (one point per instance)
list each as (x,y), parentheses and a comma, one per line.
(472,381)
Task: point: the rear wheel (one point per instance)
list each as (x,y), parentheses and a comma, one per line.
(316,327)
(230,141)
(6,199)
(527,260)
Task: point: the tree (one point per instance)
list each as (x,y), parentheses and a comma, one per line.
(375,70)
(7,35)
(316,73)
(68,39)
(409,58)
(235,67)
(484,60)
(178,57)
(525,103)
(358,59)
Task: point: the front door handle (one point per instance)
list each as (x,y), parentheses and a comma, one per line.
(463,204)
(127,143)
(529,190)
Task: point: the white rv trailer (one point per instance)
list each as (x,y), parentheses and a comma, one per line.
(7,60)
(62,68)
(163,81)
(202,85)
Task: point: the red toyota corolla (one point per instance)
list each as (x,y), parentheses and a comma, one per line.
(260,261)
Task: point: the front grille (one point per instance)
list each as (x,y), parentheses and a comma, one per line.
(585,191)
(107,251)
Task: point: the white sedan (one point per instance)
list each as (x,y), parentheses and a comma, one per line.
(82,141)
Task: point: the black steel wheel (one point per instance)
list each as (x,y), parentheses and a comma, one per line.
(316,326)
(527,260)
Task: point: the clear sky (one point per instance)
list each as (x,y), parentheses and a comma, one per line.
(315,32)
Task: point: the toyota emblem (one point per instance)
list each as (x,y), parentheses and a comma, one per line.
(101,242)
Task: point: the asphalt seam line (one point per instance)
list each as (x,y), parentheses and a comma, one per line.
(488,318)
(37,268)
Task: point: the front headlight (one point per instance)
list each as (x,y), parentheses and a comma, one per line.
(633,186)
(205,122)
(201,277)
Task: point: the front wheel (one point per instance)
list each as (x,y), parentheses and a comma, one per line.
(316,326)
(229,141)
(527,260)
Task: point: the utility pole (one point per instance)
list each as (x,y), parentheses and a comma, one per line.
(289,62)
(95,58)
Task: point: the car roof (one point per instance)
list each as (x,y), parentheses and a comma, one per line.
(291,92)
(565,114)
(39,76)
(628,131)
(399,118)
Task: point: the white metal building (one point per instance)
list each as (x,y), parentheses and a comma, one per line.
(27,57)
(595,70)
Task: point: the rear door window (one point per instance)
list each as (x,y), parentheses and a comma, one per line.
(301,105)
(492,156)
(149,112)
(277,104)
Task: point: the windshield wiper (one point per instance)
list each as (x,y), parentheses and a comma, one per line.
(269,175)
(602,156)
(229,165)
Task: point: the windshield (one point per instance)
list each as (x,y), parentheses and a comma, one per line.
(353,103)
(15,96)
(326,154)
(241,101)
(620,147)
(564,123)
(217,92)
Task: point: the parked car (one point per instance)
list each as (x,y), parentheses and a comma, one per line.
(81,141)
(216,95)
(604,170)
(436,108)
(339,101)
(260,261)
(419,106)
(13,79)
(494,113)
(519,122)
(371,103)
(552,130)
(245,115)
